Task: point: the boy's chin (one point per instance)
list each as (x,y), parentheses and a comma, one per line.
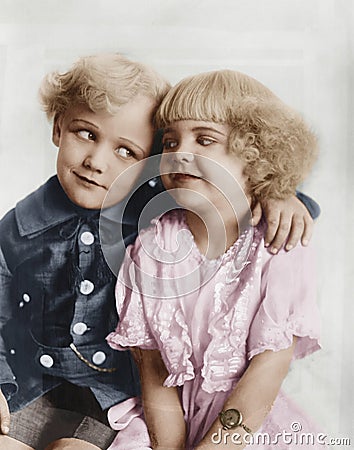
(87,203)
(89,206)
(107,202)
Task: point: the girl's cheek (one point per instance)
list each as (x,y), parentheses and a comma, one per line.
(165,164)
(165,181)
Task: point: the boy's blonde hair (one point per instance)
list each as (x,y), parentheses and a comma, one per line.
(103,82)
(274,141)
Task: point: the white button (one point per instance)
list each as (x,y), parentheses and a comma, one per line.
(21,304)
(152,183)
(26,298)
(46,361)
(80,328)
(12,351)
(87,238)
(99,358)
(86,287)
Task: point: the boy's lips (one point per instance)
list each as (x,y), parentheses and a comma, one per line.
(88,180)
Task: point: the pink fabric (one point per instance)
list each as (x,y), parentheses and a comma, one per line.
(209,318)
(127,418)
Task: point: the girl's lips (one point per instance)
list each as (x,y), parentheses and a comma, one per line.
(184,177)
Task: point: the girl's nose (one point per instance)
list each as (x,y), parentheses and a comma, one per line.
(182,156)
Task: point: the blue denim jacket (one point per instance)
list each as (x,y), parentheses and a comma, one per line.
(57,300)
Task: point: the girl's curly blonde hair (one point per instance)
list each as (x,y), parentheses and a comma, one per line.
(103,82)
(278,147)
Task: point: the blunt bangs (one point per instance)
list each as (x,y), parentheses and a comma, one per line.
(211,97)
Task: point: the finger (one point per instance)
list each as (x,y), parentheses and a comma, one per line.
(296,232)
(307,233)
(4,415)
(256,214)
(5,421)
(281,233)
(5,424)
(272,227)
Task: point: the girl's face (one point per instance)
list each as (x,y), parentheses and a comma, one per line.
(197,168)
(96,147)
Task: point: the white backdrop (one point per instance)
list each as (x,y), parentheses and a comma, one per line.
(302,49)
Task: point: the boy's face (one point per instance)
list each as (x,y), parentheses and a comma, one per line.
(198,167)
(96,147)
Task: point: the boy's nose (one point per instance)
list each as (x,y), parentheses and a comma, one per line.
(96,160)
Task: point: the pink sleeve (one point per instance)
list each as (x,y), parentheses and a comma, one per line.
(133,328)
(288,307)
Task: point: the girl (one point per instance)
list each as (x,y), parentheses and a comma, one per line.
(213,318)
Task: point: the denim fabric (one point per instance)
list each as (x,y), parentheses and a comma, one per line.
(55,290)
(312,206)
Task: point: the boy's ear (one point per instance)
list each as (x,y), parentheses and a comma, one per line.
(56,132)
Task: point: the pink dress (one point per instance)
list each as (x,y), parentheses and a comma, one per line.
(208,318)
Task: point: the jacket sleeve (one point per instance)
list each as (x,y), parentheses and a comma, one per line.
(7,379)
(312,206)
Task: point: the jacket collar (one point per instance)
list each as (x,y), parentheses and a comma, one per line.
(49,206)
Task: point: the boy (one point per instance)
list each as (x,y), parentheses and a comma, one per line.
(57,302)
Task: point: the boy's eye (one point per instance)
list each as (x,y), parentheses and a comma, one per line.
(124,152)
(205,141)
(86,134)
(169,144)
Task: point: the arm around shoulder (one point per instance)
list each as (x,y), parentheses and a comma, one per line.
(288,220)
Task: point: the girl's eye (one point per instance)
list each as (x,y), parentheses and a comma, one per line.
(86,134)
(124,152)
(205,141)
(169,144)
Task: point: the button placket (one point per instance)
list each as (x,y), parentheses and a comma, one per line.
(86,245)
